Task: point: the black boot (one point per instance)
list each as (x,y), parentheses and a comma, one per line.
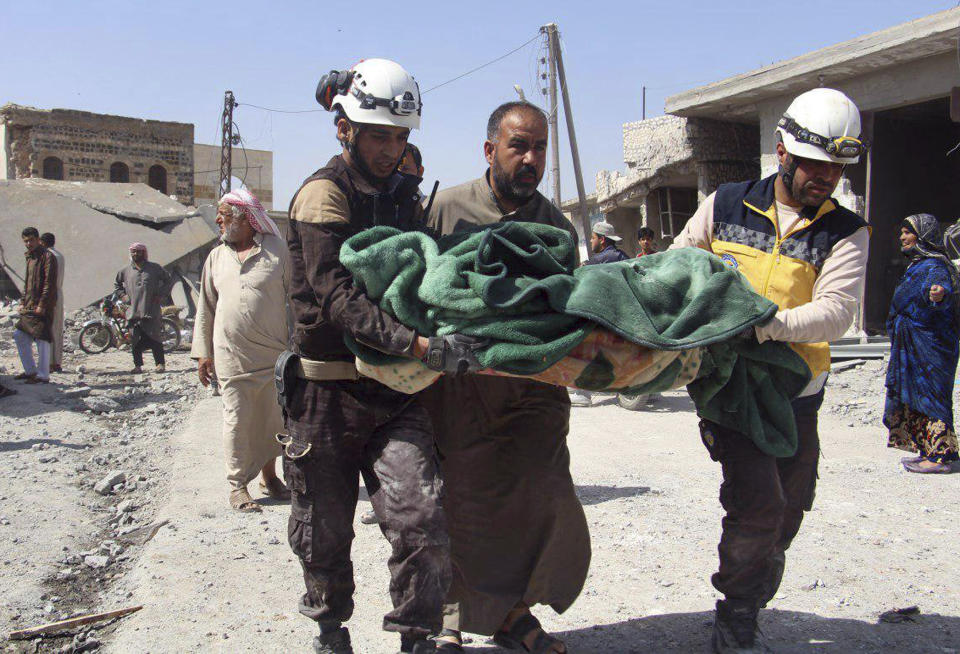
(735,629)
(333,642)
(416,645)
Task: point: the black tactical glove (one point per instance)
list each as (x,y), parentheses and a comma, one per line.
(454,354)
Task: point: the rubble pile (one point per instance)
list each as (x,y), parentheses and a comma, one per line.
(115,455)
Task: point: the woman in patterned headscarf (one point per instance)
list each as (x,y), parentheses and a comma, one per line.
(924,329)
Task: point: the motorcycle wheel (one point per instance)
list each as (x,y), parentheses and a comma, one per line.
(169,336)
(95,338)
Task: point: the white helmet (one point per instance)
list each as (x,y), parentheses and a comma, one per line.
(822,124)
(374,92)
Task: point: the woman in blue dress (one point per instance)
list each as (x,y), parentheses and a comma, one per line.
(924,330)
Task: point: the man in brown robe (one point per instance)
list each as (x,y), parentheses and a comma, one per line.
(36,309)
(518,533)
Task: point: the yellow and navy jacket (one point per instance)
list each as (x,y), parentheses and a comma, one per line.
(780,267)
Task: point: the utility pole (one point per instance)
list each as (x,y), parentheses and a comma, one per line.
(644,114)
(557,58)
(550,29)
(226,143)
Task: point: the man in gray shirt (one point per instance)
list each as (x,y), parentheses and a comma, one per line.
(145,284)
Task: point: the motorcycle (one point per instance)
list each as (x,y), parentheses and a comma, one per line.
(113,330)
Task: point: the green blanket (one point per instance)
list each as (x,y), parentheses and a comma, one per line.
(517,284)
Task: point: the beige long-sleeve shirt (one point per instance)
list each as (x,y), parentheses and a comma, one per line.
(242,319)
(837,291)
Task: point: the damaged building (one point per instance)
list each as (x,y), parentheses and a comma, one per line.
(69,145)
(100,182)
(94,223)
(904,80)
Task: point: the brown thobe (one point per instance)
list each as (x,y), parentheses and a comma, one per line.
(39,301)
(517,529)
(242,325)
(145,285)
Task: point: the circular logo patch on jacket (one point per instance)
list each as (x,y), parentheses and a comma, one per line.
(729,260)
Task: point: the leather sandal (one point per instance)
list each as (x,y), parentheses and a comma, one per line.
(513,637)
(241,501)
(449,646)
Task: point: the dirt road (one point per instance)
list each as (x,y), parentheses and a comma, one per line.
(214,580)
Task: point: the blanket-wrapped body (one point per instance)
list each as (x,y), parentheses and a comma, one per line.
(663,321)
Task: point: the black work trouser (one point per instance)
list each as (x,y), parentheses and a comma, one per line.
(764,498)
(339,430)
(142,343)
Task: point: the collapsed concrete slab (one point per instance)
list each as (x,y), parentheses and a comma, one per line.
(94,224)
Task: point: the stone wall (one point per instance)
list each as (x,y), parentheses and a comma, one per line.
(88,144)
(659,151)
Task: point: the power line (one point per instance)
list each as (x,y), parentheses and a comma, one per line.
(282,111)
(473,70)
(432,88)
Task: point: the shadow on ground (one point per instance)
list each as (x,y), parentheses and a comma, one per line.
(787,632)
(590,495)
(672,403)
(10,446)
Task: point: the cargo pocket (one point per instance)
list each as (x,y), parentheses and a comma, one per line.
(300,527)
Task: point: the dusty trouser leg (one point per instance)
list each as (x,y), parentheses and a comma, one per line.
(798,478)
(157,348)
(24,343)
(43,359)
(139,345)
(320,464)
(753,498)
(408,504)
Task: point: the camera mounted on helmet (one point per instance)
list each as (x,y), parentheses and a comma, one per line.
(837,146)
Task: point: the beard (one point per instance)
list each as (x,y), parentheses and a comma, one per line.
(230,234)
(508,185)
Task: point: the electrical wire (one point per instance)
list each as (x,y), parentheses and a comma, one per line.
(282,111)
(432,88)
(473,70)
(246,164)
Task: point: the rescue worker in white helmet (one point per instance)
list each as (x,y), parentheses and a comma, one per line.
(340,425)
(798,247)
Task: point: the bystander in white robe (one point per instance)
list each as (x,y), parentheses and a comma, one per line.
(242,324)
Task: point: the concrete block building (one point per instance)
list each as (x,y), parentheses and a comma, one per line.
(69,145)
(254,168)
(673,163)
(906,82)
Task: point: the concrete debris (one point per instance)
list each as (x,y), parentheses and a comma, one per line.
(96,561)
(100,404)
(113,478)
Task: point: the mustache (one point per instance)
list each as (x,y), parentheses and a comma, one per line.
(526,170)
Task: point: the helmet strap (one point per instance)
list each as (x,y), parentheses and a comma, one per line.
(787,173)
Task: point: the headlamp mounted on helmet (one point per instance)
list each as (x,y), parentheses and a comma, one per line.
(836,146)
(400,105)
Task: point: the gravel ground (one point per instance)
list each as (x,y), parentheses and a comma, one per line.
(215,580)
